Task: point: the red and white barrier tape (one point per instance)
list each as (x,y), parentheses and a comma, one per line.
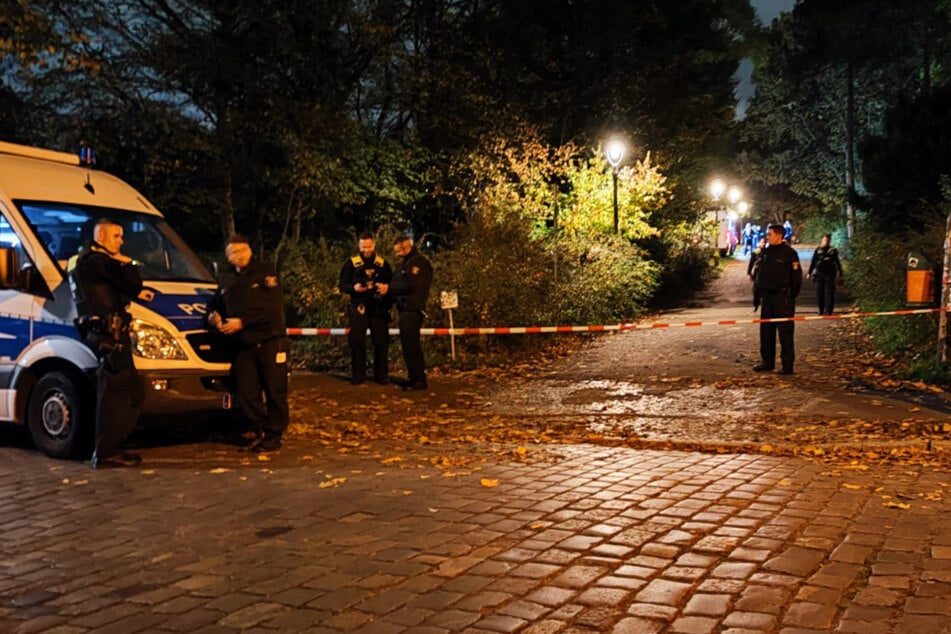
(535,330)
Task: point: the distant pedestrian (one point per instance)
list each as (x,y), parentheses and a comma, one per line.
(787,231)
(365,277)
(249,309)
(410,287)
(823,271)
(778,280)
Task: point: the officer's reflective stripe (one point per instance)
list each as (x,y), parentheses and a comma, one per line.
(356,261)
(529,330)
(378,260)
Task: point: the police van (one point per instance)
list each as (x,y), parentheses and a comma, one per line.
(49,204)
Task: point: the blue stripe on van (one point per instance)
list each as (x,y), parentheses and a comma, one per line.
(186,312)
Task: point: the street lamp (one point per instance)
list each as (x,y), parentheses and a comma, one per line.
(614,153)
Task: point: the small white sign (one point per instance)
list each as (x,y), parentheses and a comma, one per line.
(449,299)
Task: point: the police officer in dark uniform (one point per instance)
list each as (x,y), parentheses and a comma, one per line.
(103,282)
(410,288)
(778,282)
(752,268)
(366,278)
(823,269)
(249,309)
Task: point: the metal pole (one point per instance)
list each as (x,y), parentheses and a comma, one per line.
(452,336)
(945,295)
(615,202)
(555,249)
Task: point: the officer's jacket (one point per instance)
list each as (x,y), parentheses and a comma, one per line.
(362,270)
(253,295)
(411,282)
(779,270)
(754,261)
(826,261)
(103,286)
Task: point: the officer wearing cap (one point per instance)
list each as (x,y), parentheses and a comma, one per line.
(778,281)
(103,282)
(249,310)
(410,287)
(366,277)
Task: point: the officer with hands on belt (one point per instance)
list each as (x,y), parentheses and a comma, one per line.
(823,270)
(249,309)
(366,278)
(778,282)
(410,287)
(103,282)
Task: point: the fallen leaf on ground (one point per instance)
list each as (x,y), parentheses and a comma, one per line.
(489,482)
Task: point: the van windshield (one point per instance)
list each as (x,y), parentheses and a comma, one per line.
(63,229)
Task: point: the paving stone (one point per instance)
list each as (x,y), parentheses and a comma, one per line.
(810,615)
(764,599)
(750,620)
(708,604)
(796,561)
(663,592)
(635,625)
(693,625)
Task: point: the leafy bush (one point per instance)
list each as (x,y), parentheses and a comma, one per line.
(876,279)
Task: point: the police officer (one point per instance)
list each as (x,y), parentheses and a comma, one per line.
(778,281)
(249,309)
(103,282)
(366,278)
(823,269)
(752,268)
(410,287)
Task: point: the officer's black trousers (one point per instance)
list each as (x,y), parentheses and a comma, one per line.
(379,335)
(777,305)
(119,397)
(411,321)
(258,371)
(825,294)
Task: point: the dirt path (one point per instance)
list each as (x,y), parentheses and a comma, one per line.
(682,388)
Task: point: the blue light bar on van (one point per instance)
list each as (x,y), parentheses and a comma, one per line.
(87,155)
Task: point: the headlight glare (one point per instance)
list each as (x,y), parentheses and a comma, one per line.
(154,342)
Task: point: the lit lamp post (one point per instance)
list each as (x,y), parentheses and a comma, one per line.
(614,153)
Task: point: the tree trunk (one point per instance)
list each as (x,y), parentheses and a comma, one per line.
(850,150)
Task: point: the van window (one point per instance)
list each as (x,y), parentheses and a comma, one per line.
(65,229)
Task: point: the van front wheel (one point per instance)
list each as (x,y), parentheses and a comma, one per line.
(55,414)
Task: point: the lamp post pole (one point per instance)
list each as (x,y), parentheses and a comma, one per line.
(615,202)
(614,153)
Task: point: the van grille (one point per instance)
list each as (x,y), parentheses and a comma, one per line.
(209,347)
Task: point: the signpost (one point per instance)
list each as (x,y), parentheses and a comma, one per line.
(447,301)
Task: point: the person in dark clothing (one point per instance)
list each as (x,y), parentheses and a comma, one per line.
(410,288)
(778,281)
(366,278)
(753,267)
(103,282)
(823,270)
(249,309)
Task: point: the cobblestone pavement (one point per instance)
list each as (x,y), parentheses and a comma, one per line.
(201,538)
(424,514)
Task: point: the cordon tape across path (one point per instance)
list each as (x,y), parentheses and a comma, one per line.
(535,330)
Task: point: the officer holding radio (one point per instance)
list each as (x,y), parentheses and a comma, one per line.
(103,282)
(365,277)
(249,309)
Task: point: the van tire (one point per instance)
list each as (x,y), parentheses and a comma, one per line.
(55,415)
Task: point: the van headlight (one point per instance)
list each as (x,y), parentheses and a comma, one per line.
(154,342)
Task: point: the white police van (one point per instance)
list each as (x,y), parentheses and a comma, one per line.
(49,203)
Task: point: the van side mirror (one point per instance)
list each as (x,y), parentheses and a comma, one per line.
(9,267)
